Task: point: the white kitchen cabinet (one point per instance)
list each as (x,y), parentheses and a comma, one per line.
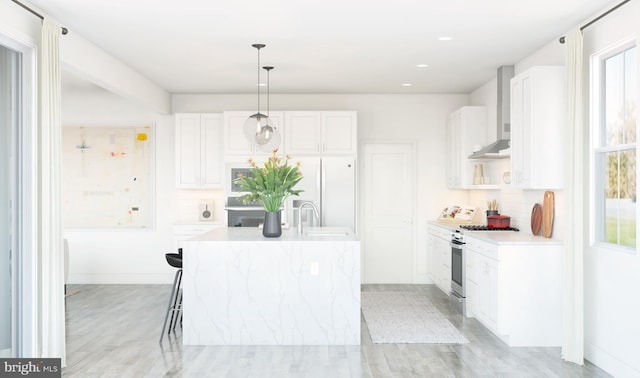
(484,276)
(321,132)
(515,289)
(488,296)
(198,150)
(537,128)
(471,282)
(235,141)
(439,256)
(466,128)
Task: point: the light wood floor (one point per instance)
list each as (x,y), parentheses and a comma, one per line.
(113,331)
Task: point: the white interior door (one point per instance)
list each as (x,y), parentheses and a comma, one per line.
(388,212)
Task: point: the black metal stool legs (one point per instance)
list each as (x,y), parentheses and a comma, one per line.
(175,305)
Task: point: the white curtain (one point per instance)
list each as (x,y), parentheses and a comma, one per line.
(575,163)
(51,264)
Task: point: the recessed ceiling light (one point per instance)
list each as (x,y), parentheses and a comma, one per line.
(406,84)
(422,65)
(445,38)
(262,85)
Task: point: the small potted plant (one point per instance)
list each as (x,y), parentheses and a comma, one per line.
(270,185)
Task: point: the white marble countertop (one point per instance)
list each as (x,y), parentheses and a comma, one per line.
(506,237)
(253,234)
(500,237)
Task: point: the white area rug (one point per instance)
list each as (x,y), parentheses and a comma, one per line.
(399,317)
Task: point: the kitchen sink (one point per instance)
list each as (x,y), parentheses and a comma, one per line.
(327,231)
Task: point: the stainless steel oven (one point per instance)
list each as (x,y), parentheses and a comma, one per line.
(458,269)
(243,215)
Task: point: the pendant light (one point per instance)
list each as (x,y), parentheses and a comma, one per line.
(254,124)
(269,136)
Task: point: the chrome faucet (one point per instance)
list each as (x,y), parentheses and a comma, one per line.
(315,211)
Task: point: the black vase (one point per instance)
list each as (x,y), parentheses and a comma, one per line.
(272,227)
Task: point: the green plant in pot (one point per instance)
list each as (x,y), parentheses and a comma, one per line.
(270,185)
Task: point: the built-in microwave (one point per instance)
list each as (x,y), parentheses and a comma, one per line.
(235,173)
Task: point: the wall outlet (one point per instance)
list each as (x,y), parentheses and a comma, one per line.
(315,268)
(205,210)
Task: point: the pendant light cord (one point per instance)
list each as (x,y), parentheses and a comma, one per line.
(258,46)
(258,82)
(268,69)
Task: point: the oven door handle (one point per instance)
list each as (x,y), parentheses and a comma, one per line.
(456,244)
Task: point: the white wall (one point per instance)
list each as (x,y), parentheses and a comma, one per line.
(93,64)
(124,256)
(19,24)
(111,256)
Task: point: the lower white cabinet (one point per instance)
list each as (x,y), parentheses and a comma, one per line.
(471,282)
(515,289)
(488,298)
(439,257)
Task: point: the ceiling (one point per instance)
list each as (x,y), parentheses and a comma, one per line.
(329,46)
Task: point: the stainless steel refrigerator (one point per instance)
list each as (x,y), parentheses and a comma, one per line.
(330,183)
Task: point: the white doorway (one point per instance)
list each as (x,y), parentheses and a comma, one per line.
(388,211)
(18,228)
(9,88)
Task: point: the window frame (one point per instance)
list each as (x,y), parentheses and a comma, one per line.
(597,126)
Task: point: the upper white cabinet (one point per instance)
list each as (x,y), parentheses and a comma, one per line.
(235,142)
(321,132)
(466,127)
(198,150)
(537,120)
(303,132)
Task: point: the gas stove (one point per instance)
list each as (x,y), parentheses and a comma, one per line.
(477,227)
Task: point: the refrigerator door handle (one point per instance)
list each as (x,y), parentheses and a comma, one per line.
(322,191)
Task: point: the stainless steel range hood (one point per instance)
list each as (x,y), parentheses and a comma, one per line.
(492,151)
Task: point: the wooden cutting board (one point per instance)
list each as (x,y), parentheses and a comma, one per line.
(536,219)
(547,214)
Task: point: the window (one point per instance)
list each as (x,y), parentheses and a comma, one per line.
(615,149)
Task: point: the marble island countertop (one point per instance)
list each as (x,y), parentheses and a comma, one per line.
(241,288)
(254,234)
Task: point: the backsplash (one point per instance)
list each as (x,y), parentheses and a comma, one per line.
(188,209)
(517,204)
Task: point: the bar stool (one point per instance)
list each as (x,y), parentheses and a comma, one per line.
(175,299)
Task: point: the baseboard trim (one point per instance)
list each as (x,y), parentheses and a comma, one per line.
(121,278)
(609,363)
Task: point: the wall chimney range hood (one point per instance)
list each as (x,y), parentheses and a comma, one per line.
(492,151)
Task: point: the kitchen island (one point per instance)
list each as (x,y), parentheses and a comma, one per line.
(240,288)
